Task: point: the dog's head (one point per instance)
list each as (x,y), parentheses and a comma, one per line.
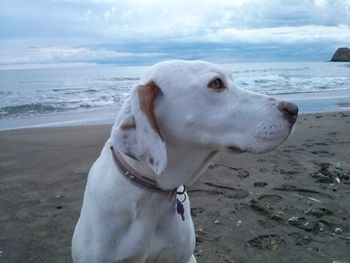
(196,103)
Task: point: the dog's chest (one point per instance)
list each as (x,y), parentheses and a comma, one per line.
(169,240)
(152,232)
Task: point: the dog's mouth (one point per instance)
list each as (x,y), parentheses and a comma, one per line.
(265,138)
(235,149)
(272,132)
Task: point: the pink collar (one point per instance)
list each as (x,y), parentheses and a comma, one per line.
(134,177)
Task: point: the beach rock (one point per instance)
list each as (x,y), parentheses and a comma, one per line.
(318,212)
(228,260)
(341,55)
(278,215)
(200,233)
(242,173)
(302,223)
(328,174)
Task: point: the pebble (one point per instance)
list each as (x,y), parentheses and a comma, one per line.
(278,215)
(228,260)
(243,174)
(338,230)
(200,231)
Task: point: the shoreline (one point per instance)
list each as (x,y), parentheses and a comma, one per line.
(98,116)
(308,103)
(99,124)
(290,203)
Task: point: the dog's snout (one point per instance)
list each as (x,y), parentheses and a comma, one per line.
(289,111)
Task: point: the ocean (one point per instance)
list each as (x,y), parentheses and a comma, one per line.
(93,94)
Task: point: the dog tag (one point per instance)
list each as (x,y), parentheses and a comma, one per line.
(180,209)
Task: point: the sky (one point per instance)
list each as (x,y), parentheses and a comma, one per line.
(140,32)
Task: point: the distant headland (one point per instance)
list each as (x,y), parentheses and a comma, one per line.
(341,55)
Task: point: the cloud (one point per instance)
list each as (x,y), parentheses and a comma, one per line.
(73,28)
(282,35)
(132,20)
(88,15)
(251,20)
(67,55)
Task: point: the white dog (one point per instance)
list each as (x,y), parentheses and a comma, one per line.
(176,119)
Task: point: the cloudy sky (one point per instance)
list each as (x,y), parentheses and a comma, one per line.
(146,31)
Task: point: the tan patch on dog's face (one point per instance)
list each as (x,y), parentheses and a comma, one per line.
(147,94)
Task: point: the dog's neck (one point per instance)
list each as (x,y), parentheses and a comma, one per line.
(184,166)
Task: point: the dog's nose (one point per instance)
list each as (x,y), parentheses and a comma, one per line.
(289,111)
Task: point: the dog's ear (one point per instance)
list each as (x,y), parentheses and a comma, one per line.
(136,132)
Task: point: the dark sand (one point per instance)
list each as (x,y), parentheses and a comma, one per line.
(290,205)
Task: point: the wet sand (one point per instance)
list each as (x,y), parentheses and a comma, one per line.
(289,205)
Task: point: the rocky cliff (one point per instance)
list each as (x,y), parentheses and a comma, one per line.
(341,55)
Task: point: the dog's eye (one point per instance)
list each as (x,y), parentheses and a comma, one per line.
(216,84)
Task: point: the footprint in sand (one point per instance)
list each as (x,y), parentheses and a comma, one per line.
(265,242)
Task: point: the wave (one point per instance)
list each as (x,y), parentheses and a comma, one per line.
(124,78)
(6,93)
(77,90)
(113,79)
(282,84)
(34,81)
(269,70)
(103,101)
(83,91)
(28,109)
(58,90)
(61,104)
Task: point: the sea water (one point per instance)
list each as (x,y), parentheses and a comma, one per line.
(90,93)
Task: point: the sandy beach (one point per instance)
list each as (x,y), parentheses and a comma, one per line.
(289,205)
